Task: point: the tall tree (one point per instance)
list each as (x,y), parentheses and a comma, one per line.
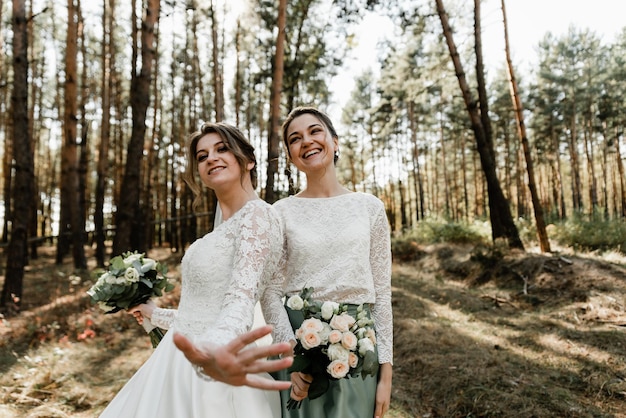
(71,217)
(542,235)
(218,75)
(129,228)
(273,141)
(502,225)
(17,255)
(108,13)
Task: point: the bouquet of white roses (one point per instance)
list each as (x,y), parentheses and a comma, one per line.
(132,279)
(332,343)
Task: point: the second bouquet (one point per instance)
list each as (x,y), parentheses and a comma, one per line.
(132,279)
(335,341)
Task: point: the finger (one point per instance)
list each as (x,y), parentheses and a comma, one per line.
(306,378)
(264,383)
(252,354)
(248,338)
(269,365)
(297,394)
(380,410)
(186,346)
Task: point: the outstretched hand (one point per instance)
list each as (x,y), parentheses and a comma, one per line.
(236,364)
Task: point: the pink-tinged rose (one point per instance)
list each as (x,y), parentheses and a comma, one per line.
(338,369)
(342,322)
(299,333)
(349,340)
(335,336)
(312,324)
(353,360)
(310,339)
(337,352)
(371,334)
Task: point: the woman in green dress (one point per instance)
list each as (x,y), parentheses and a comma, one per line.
(337,242)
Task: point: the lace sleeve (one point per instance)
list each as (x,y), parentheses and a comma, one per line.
(257,248)
(272,304)
(163,318)
(380,256)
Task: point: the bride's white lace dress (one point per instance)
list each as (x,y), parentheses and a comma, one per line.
(222,273)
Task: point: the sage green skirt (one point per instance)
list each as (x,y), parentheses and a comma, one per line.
(350,397)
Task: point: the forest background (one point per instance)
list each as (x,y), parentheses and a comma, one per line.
(98,99)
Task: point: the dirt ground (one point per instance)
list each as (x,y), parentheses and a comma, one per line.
(478,333)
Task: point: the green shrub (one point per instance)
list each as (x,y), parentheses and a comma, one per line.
(431,231)
(591,235)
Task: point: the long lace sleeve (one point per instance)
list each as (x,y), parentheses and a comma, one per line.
(272,304)
(257,248)
(163,318)
(380,256)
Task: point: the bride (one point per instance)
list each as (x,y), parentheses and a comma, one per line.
(222,276)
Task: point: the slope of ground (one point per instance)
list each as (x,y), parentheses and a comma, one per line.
(477,334)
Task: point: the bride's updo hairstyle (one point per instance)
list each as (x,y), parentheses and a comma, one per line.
(235,142)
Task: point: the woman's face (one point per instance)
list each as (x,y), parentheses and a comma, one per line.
(217,166)
(311,145)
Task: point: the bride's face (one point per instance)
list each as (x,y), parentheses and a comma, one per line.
(217,166)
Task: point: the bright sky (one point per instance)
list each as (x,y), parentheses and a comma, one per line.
(528,21)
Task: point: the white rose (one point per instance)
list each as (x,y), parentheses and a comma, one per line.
(295,302)
(337,352)
(365,345)
(338,369)
(132,258)
(148,264)
(131,274)
(329,309)
(325,332)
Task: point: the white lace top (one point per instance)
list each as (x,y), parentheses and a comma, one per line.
(222,276)
(341,247)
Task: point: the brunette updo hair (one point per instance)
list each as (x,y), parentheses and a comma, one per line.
(303,110)
(234,140)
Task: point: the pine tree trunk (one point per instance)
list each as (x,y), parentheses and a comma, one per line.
(129,235)
(23,186)
(542,235)
(273,140)
(502,225)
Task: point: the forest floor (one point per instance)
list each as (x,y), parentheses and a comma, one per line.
(477,334)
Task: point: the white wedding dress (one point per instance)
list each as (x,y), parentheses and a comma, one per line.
(222,275)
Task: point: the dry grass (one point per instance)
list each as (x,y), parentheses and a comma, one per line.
(468,341)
